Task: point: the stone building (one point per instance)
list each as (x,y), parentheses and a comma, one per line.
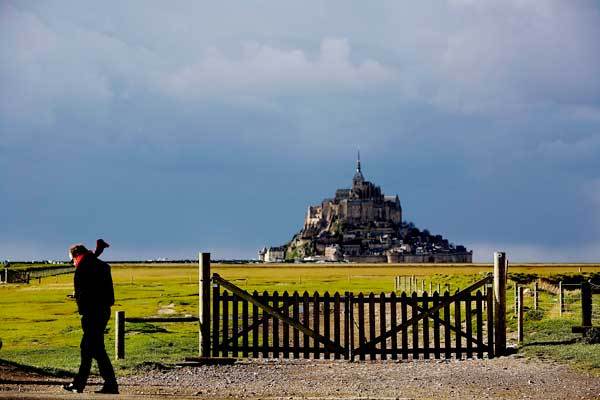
(362,224)
(363,203)
(272,254)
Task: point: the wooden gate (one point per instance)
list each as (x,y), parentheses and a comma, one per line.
(424,326)
(349,326)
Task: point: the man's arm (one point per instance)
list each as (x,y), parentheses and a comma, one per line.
(100,246)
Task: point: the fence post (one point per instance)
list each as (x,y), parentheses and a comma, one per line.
(516,297)
(346,325)
(500,264)
(351,316)
(561,298)
(204,304)
(120,335)
(586,304)
(485,290)
(535,295)
(520,315)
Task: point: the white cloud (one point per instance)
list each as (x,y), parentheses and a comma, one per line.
(463,56)
(41,70)
(264,69)
(498,55)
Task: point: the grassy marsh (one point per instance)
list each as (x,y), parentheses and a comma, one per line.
(40,325)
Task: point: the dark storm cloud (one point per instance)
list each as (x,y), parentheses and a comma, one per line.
(177,126)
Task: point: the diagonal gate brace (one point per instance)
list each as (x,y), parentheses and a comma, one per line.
(429,313)
(331,346)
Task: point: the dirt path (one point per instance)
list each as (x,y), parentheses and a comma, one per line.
(501,378)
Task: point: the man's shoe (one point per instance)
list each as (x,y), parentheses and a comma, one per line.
(110,389)
(71,387)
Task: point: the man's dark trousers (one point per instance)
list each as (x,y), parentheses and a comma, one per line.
(93,323)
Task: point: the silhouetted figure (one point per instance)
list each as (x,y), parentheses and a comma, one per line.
(94,295)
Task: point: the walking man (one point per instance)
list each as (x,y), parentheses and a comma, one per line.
(94,295)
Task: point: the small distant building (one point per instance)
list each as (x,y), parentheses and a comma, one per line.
(333,253)
(272,254)
(261,254)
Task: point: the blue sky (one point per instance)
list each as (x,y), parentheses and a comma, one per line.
(168,128)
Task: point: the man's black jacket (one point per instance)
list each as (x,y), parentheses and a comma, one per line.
(93,285)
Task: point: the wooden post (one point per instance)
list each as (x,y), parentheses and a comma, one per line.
(204,304)
(535,296)
(520,315)
(490,319)
(485,296)
(350,348)
(430,287)
(561,299)
(346,325)
(422,285)
(516,297)
(500,264)
(586,304)
(119,335)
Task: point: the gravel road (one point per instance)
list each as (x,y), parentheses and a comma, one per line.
(501,378)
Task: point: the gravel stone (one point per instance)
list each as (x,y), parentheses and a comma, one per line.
(499,378)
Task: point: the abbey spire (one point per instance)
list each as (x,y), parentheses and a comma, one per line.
(358,176)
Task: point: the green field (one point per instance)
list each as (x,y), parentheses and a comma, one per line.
(40,326)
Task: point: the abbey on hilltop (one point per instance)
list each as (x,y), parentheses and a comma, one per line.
(361,224)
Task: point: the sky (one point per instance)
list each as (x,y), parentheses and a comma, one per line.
(170,128)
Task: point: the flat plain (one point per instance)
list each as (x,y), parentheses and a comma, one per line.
(41,325)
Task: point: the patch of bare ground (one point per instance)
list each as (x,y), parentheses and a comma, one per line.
(501,378)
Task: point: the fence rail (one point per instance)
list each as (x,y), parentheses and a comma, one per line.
(24,276)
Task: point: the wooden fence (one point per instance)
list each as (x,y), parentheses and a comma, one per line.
(8,275)
(336,326)
(235,323)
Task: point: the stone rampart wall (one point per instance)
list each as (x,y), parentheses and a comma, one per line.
(366,259)
(430,258)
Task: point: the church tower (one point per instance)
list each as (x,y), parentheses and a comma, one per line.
(358,179)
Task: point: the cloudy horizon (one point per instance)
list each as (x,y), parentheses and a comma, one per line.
(172,128)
